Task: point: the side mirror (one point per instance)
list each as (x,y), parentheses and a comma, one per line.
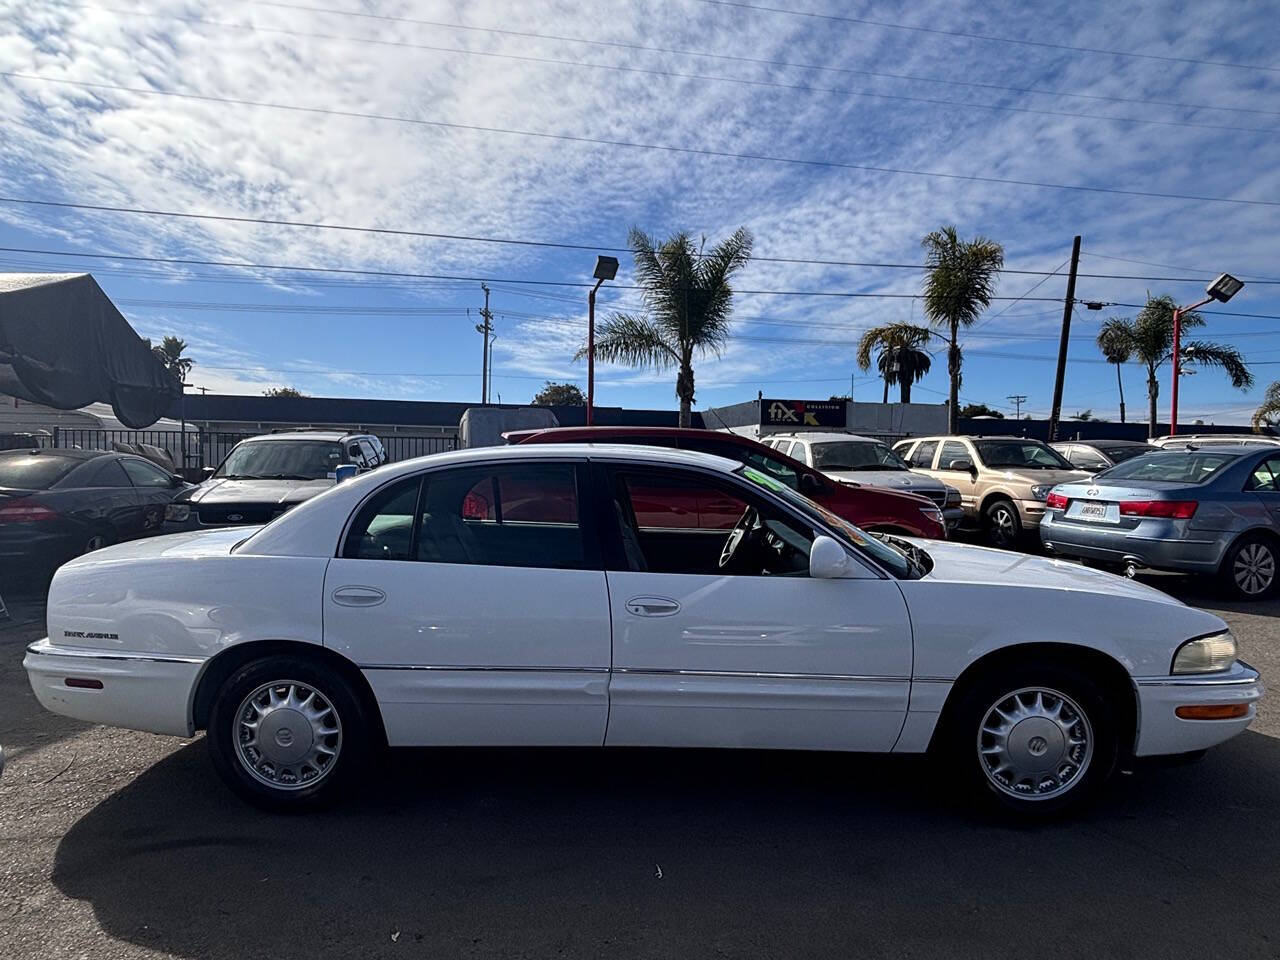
(828,560)
(809,484)
(961,463)
(176,480)
(207,472)
(344,471)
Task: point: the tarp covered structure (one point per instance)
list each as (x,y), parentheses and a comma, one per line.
(63,343)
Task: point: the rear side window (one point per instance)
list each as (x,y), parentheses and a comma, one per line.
(144,474)
(34,471)
(110,474)
(923,455)
(383,530)
(1265,477)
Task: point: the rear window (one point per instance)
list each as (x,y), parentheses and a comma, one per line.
(1171,467)
(34,471)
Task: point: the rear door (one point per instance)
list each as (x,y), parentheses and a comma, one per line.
(114,501)
(711,656)
(474,600)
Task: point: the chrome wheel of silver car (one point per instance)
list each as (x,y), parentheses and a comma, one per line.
(1254,568)
(1035,744)
(287,735)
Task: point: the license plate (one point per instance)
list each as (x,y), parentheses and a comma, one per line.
(1093,511)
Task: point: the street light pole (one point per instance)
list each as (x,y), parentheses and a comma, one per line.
(1222,289)
(606,269)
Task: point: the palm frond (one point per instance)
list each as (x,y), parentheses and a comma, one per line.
(1116,340)
(1268,412)
(637,341)
(1219,355)
(961,278)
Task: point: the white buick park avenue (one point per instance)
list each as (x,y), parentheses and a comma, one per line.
(574,595)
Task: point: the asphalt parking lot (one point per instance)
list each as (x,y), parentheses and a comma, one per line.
(118,844)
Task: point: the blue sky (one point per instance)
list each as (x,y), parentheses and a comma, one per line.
(950,107)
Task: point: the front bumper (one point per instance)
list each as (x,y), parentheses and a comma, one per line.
(952,517)
(140,691)
(1156,544)
(1162,732)
(1031,513)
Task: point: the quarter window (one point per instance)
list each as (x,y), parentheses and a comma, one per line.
(383,530)
(923,455)
(144,474)
(111,474)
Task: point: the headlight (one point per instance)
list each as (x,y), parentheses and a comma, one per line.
(1041,490)
(177,512)
(933,513)
(953,497)
(1206,655)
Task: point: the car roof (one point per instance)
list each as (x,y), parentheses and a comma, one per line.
(605,432)
(821,435)
(334,435)
(68,453)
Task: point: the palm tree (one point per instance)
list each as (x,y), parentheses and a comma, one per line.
(900,357)
(170,354)
(958,287)
(1113,341)
(1149,337)
(1268,412)
(688,307)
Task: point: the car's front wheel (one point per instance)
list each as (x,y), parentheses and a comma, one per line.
(1003,525)
(1034,739)
(287,733)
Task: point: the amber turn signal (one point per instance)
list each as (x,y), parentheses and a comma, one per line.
(1213,711)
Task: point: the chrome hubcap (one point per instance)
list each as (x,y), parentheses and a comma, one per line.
(1255,568)
(287,735)
(1035,744)
(1003,525)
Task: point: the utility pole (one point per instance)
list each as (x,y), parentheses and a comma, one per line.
(485,328)
(1018,400)
(1067,306)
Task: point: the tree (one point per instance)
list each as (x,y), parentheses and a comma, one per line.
(688,306)
(900,359)
(1149,337)
(980,410)
(1083,415)
(282,392)
(1116,346)
(1268,412)
(170,354)
(559,395)
(958,287)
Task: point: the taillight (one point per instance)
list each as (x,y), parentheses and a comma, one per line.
(1164,509)
(1056,501)
(24,511)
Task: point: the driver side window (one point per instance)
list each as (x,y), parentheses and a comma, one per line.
(689,523)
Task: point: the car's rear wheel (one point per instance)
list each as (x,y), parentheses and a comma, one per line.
(1034,739)
(287,733)
(1250,567)
(1002,524)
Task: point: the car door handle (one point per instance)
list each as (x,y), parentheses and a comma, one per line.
(353,596)
(652,606)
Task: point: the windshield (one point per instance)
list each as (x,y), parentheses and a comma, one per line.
(855,455)
(33,471)
(281,460)
(1021,455)
(1120,454)
(1171,467)
(898,562)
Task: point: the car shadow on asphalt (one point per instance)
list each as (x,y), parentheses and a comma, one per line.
(681,854)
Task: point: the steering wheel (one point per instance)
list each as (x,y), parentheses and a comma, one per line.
(740,533)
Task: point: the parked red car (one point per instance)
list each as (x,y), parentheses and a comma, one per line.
(871,508)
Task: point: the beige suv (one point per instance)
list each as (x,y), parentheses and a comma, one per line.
(1003,481)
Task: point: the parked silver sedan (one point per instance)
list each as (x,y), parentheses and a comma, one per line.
(1200,511)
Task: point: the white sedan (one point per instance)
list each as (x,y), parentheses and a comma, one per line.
(567,595)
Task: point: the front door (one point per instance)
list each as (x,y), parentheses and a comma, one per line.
(724,643)
(474,601)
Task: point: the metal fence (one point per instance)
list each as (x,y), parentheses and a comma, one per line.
(197,449)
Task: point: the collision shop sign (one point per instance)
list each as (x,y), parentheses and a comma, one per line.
(802,413)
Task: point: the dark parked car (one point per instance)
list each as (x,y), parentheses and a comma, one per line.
(1097,455)
(264,476)
(874,509)
(58,504)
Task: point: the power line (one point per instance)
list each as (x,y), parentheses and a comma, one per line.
(1030,290)
(702,77)
(637,145)
(761,61)
(1166,266)
(863,21)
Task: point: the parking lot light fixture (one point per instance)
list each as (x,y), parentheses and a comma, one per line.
(1222,289)
(606,269)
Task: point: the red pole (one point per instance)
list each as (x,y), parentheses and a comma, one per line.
(1177,343)
(591,353)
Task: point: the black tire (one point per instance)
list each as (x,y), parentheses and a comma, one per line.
(295,789)
(1251,568)
(1001,524)
(1055,792)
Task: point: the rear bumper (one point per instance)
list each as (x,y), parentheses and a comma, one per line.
(139,691)
(1162,732)
(1154,544)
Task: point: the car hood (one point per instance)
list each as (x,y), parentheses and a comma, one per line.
(964,563)
(1037,476)
(903,480)
(217,491)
